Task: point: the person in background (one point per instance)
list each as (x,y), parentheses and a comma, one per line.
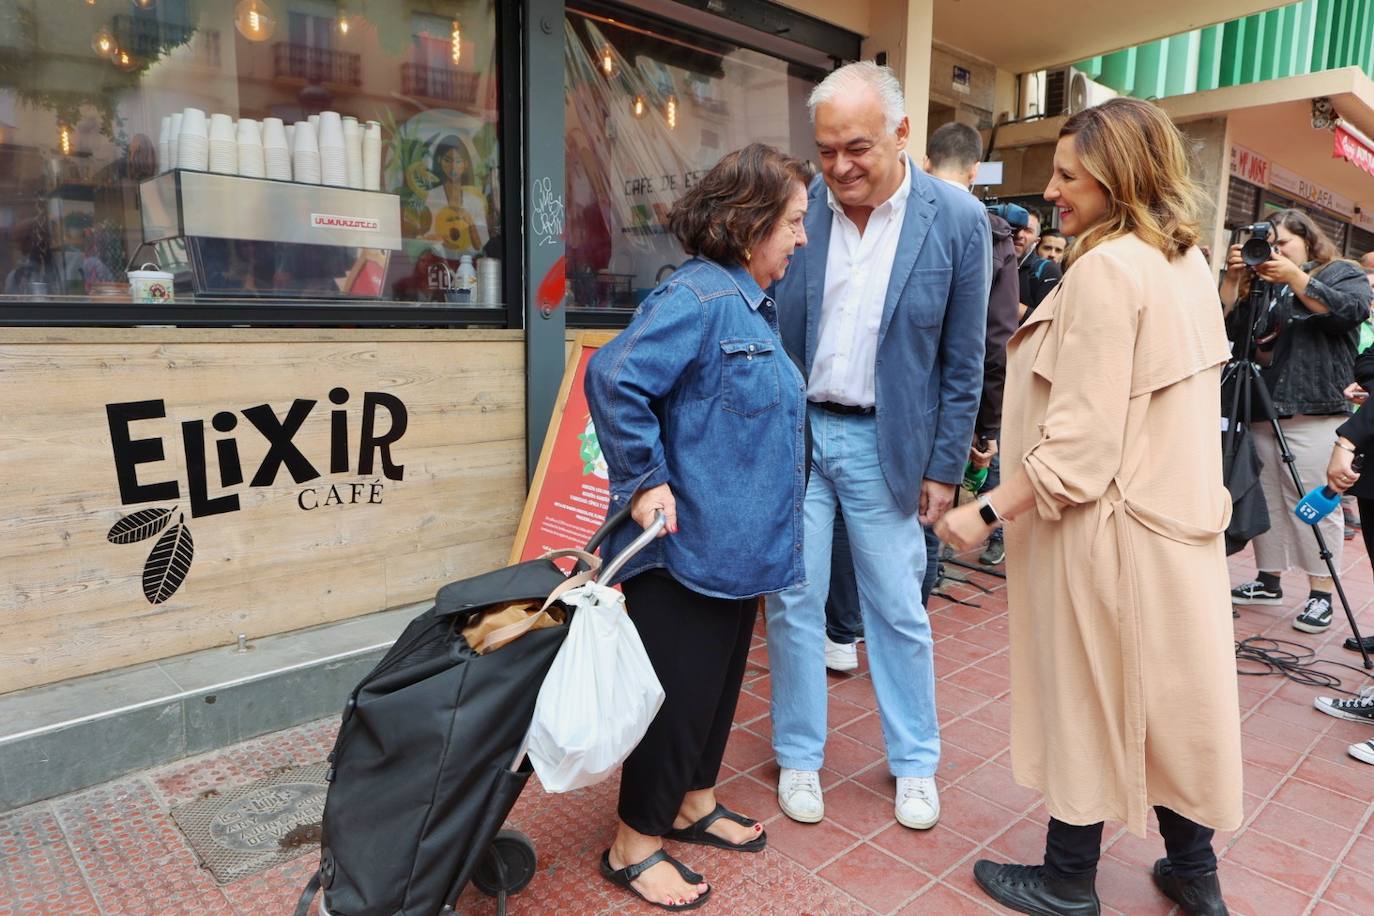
(1123,674)
(952,155)
(701,416)
(887,309)
(1367,260)
(1319,304)
(1052,246)
(1355,437)
(1038,274)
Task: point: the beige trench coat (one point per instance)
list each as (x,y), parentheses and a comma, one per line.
(1122,654)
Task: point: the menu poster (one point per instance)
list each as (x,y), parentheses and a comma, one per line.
(570,490)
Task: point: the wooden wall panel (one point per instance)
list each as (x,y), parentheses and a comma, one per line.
(73,603)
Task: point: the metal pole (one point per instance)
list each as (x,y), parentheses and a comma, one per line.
(543,136)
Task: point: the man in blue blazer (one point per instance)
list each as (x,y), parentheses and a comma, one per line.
(887,305)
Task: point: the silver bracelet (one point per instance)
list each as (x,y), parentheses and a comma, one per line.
(1348,448)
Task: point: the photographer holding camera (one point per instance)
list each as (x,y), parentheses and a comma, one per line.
(1305,335)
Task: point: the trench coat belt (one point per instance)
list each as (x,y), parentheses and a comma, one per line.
(1119,513)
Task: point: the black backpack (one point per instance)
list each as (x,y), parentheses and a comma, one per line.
(423,771)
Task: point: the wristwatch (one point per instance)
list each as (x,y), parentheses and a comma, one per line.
(985,509)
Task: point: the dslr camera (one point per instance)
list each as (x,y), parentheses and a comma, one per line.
(1254,251)
(1258,248)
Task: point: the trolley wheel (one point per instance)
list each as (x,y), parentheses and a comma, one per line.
(508,865)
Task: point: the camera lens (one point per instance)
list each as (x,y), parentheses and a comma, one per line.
(1255,252)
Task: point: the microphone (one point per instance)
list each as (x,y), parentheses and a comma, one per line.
(1317,504)
(1319,501)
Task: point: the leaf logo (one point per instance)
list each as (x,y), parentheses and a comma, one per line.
(170,559)
(139,526)
(168,563)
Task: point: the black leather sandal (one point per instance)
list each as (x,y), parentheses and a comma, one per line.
(623,876)
(697,833)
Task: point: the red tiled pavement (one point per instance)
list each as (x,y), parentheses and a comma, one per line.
(1307,845)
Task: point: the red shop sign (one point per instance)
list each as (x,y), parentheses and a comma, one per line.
(1353,150)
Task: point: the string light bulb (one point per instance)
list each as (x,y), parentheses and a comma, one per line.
(254,20)
(670,112)
(124,61)
(639,107)
(144,4)
(104,44)
(343,24)
(64,139)
(456,43)
(608,61)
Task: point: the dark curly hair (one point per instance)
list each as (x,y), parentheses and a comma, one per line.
(736,204)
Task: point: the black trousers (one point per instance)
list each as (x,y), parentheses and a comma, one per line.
(699,647)
(1073,851)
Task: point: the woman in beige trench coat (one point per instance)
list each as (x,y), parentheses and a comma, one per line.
(1122,656)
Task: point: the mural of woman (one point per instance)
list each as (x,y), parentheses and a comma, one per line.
(457,203)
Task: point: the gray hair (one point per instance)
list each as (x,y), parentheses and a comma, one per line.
(863,73)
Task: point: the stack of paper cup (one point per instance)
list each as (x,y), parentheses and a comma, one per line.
(372,157)
(276,150)
(315,123)
(164,145)
(224,151)
(193,142)
(333,158)
(489,281)
(252,161)
(353,152)
(305,154)
(173,140)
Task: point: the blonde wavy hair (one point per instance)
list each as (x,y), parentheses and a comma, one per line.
(1137,154)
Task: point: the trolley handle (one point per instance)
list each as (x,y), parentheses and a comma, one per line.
(612,522)
(608,571)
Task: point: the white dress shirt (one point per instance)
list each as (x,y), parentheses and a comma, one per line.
(857,269)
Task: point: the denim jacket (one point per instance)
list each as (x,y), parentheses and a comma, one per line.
(699,394)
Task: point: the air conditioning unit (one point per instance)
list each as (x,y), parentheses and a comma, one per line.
(1063,91)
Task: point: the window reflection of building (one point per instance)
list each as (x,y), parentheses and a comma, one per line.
(77,209)
(649,108)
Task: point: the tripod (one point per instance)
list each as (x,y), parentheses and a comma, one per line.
(1248,381)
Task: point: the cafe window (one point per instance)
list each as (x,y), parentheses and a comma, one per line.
(304,150)
(650,106)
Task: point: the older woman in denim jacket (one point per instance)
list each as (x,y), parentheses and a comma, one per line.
(700,414)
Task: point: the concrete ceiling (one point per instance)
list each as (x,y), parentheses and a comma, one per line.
(1032,34)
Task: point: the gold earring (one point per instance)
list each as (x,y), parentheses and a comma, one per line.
(748,254)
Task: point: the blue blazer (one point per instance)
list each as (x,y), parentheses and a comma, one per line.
(929,365)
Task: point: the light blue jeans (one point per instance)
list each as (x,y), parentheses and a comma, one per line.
(889,560)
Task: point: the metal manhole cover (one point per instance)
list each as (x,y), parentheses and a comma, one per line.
(249,829)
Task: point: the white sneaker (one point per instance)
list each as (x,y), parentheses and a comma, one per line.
(1362,751)
(918,802)
(799,795)
(841,657)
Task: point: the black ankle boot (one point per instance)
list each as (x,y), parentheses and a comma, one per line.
(1199,896)
(1032,889)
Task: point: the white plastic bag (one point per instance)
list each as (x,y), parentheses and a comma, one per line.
(599,697)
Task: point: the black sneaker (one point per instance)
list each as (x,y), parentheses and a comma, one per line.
(1356,709)
(1353,644)
(995,552)
(1256,592)
(1315,616)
